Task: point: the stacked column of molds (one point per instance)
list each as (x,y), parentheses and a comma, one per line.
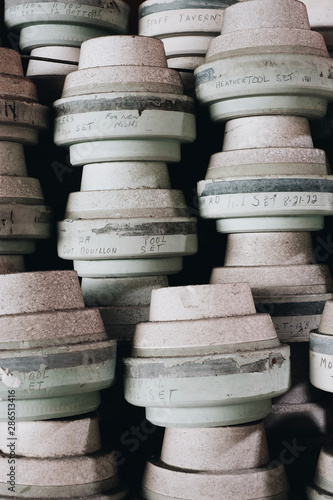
(266,75)
(24,218)
(287,284)
(56,30)
(202,365)
(54,354)
(188,362)
(57,458)
(274,177)
(185,28)
(123,115)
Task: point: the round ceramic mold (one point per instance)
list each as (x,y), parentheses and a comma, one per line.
(282,67)
(45,355)
(43,23)
(268,177)
(229,459)
(122,108)
(321,351)
(104,225)
(284,280)
(322,487)
(21,116)
(187,379)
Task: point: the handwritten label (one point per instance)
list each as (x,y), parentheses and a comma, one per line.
(265,201)
(321,370)
(57,9)
(208,20)
(153,244)
(148,390)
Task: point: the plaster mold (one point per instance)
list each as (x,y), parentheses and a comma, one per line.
(126,107)
(197,462)
(46,336)
(55,30)
(188,362)
(285,281)
(282,66)
(268,177)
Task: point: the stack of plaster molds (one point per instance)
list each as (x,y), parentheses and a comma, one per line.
(266,75)
(285,280)
(287,284)
(57,458)
(206,361)
(185,28)
(123,115)
(24,218)
(56,30)
(55,354)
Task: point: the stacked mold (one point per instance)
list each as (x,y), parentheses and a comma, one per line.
(55,358)
(52,33)
(206,366)
(55,355)
(24,218)
(266,76)
(123,115)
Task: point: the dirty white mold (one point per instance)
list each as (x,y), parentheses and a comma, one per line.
(57,30)
(321,351)
(205,358)
(58,458)
(122,302)
(185,28)
(55,354)
(21,115)
(112,225)
(320,14)
(197,462)
(268,177)
(266,61)
(322,487)
(285,281)
(123,104)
